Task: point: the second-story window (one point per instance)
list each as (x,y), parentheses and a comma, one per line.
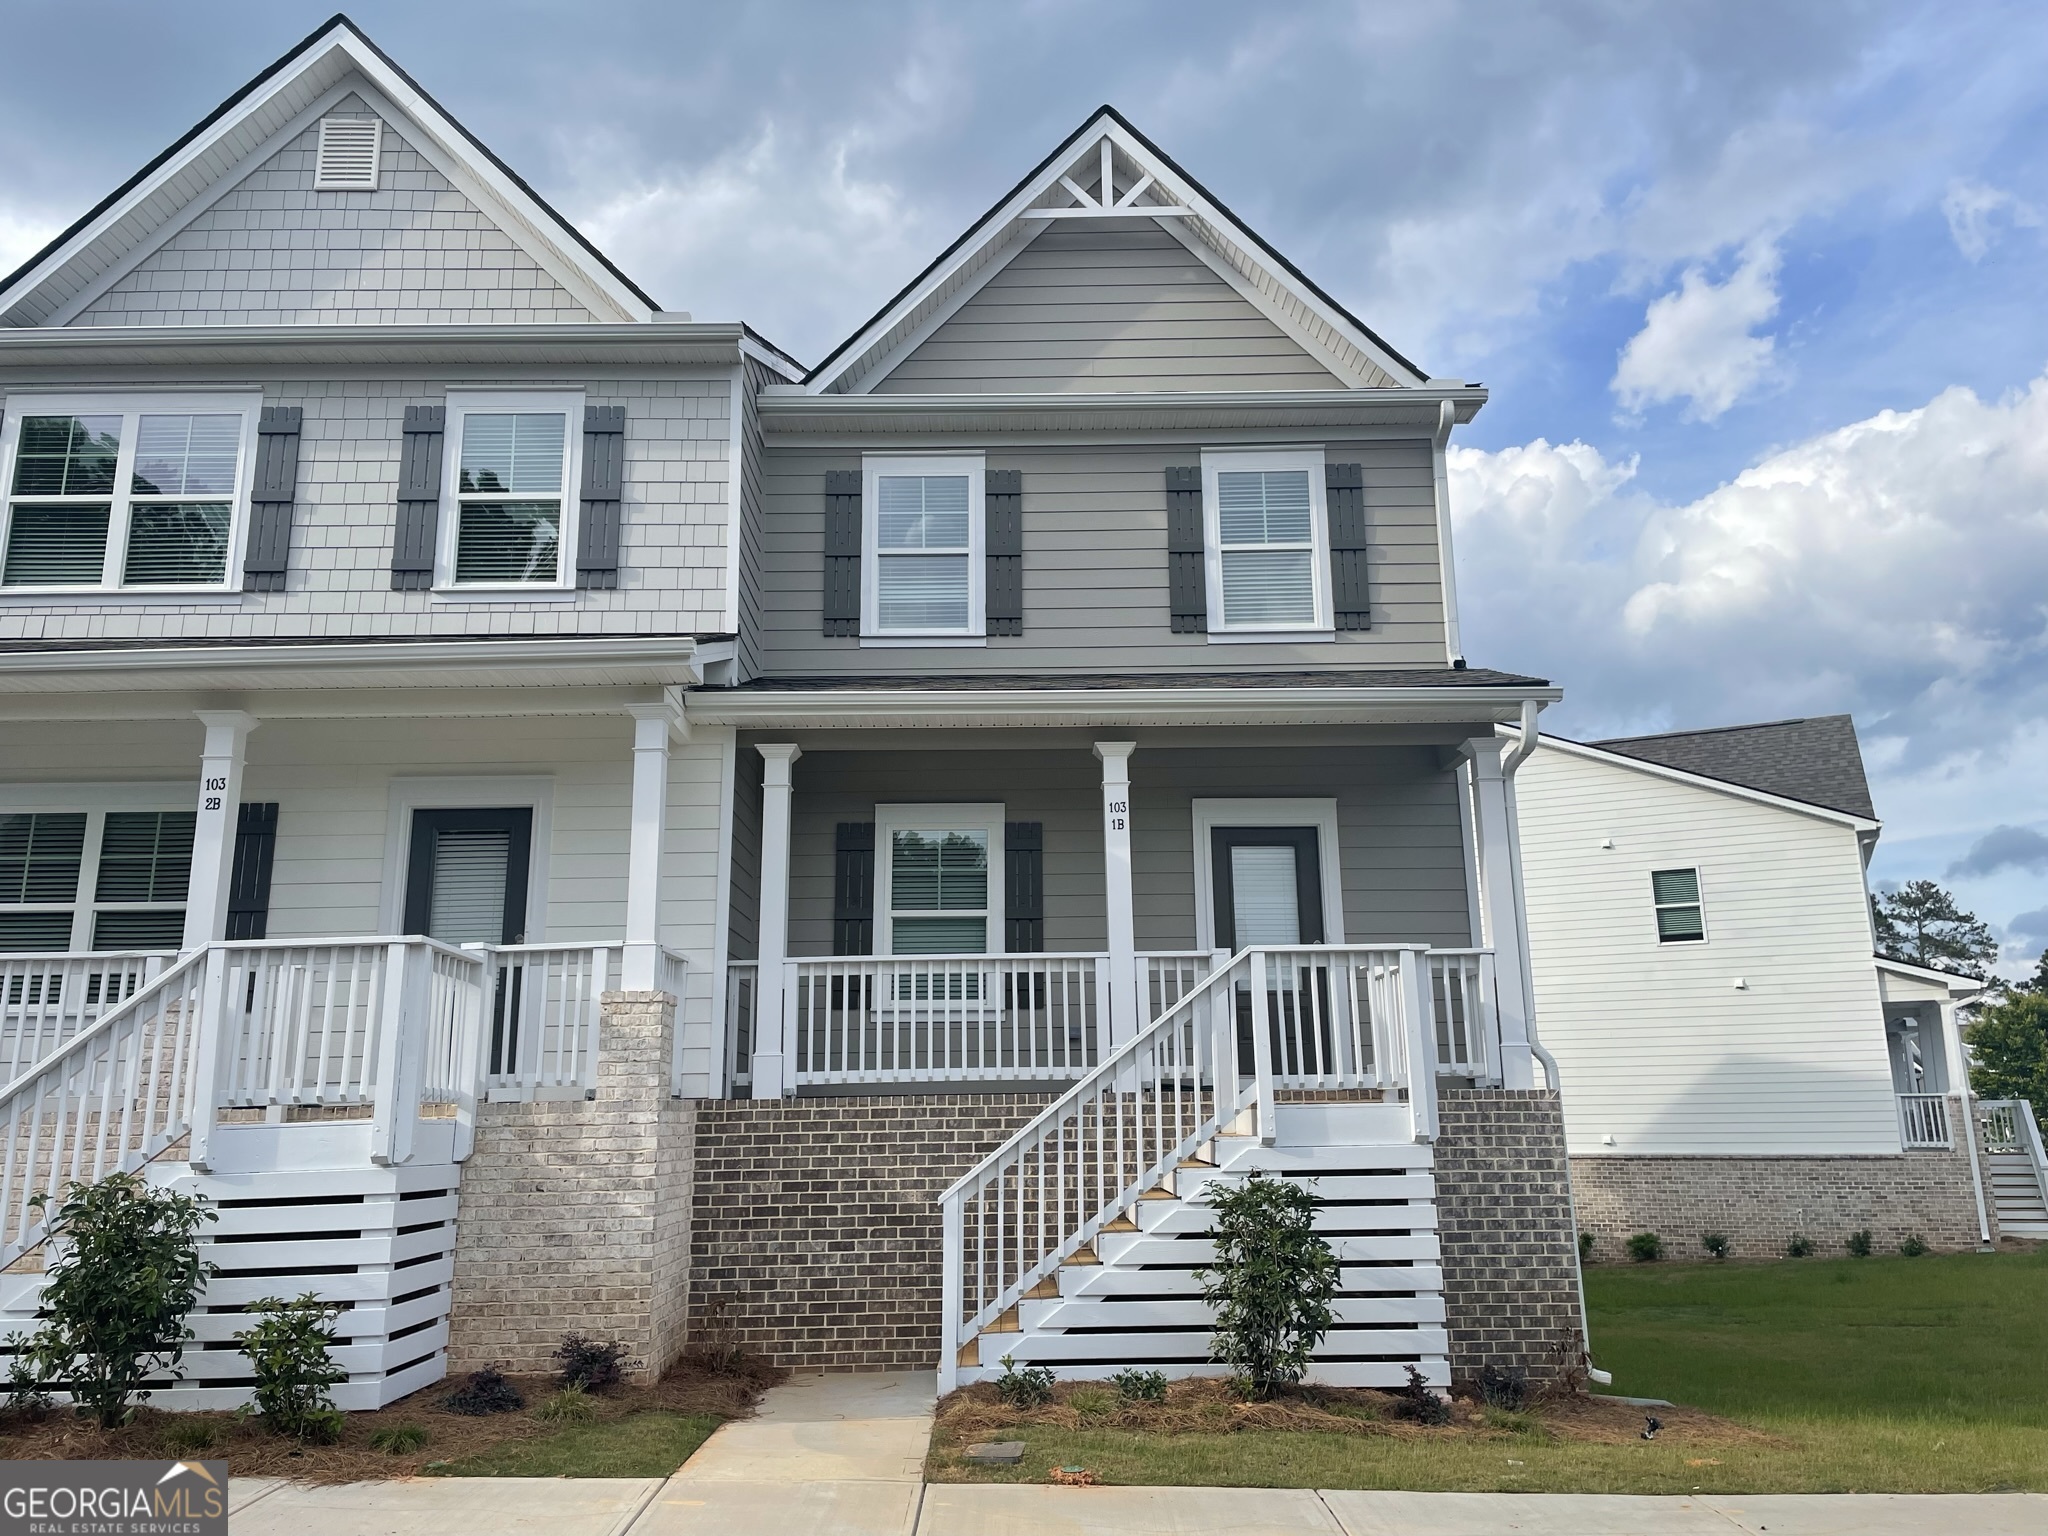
(511,490)
(1681,918)
(1267,541)
(923,560)
(135,495)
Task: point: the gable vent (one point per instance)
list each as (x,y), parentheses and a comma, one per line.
(348,154)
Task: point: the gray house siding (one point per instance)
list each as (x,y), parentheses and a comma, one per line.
(1115,305)
(1095,567)
(744,919)
(275,252)
(749,605)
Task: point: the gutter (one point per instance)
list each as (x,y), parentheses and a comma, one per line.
(1524,748)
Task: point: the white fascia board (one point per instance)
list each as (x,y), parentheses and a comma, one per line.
(353,663)
(1958,986)
(443,143)
(877,346)
(971,706)
(1701,781)
(711,347)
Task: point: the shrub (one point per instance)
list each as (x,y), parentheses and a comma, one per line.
(1859,1243)
(1026,1388)
(1503,1389)
(1646,1247)
(571,1405)
(183,1436)
(485,1392)
(1272,1280)
(287,1347)
(1419,1403)
(1799,1248)
(1138,1386)
(399,1439)
(26,1393)
(1716,1244)
(124,1273)
(715,1342)
(588,1364)
(1912,1248)
(1585,1247)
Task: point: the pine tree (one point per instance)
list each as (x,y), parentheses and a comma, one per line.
(1921,924)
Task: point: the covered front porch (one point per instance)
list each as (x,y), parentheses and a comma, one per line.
(987,904)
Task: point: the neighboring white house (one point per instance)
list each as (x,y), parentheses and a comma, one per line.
(1735,1058)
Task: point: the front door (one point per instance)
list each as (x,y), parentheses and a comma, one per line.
(466,884)
(1269,891)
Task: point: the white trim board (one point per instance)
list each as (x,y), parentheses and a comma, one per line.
(1308,811)
(535,792)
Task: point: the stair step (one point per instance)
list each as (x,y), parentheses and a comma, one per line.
(1047,1289)
(1159,1192)
(1121,1224)
(1081,1257)
(1007,1323)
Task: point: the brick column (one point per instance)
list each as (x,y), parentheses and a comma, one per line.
(575,1213)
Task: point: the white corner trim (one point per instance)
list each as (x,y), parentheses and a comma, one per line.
(535,792)
(1308,811)
(735,508)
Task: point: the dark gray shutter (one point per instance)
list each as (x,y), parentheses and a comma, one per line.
(269,550)
(1345,486)
(249,882)
(853,889)
(1186,563)
(419,499)
(1024,887)
(604,486)
(842,552)
(1004,597)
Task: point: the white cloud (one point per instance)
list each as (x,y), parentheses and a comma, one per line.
(21,236)
(1972,209)
(1698,344)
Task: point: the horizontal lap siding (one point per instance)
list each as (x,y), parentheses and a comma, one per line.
(1095,567)
(1119,305)
(1658,1047)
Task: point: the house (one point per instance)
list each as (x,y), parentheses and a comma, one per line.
(551,814)
(1736,1059)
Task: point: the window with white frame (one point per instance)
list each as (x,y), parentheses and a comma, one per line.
(939,874)
(1681,918)
(1267,534)
(509,498)
(124,495)
(94,880)
(922,566)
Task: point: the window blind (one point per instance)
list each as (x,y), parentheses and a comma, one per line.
(1676,894)
(1267,547)
(916,586)
(509,483)
(1265,894)
(471,867)
(39,856)
(145,856)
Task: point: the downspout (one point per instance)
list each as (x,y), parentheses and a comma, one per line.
(1519,753)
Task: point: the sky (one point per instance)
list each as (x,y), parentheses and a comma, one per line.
(1757,288)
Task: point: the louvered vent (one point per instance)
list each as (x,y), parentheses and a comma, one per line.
(348,154)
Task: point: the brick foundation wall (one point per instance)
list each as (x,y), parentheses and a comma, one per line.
(575,1214)
(1760,1203)
(816,1221)
(1504,1216)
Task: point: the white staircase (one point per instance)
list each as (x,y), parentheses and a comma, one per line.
(1075,1246)
(2017,1167)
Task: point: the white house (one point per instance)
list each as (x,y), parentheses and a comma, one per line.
(1736,1058)
(552,814)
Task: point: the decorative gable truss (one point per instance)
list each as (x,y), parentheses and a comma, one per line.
(1108,175)
(337,70)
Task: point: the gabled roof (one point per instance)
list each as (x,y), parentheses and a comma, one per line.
(1815,760)
(151,205)
(1143,181)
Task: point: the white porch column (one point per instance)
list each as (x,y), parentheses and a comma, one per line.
(1126,986)
(1500,906)
(213,835)
(652,724)
(774,1076)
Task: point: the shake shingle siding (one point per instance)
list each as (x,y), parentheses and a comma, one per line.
(273,251)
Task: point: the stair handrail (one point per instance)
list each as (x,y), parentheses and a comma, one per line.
(59,1092)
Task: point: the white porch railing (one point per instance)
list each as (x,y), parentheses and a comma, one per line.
(1923,1120)
(45,999)
(1270,1020)
(938,1018)
(742,979)
(1172,974)
(2009,1126)
(545,1011)
(1467,1027)
(384,1024)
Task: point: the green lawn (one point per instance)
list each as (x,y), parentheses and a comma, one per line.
(1872,1375)
(651,1444)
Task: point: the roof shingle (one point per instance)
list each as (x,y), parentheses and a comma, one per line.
(1814,760)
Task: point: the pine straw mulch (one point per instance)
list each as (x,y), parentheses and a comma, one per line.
(1207,1406)
(252,1451)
